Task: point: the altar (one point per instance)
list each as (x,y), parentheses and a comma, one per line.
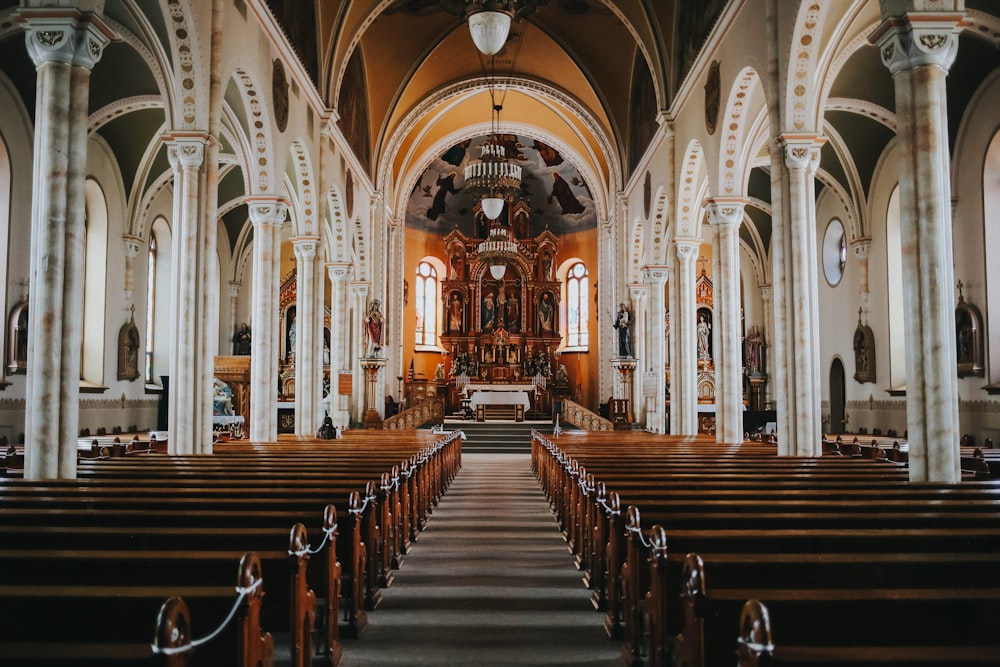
(515,395)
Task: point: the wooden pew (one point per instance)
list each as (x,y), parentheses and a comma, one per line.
(648,472)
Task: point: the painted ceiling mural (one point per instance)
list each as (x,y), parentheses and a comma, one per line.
(560,200)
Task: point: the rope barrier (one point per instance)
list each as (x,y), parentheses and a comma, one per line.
(307,549)
(363,507)
(176,650)
(642,538)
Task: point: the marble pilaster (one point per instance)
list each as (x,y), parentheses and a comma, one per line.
(640,348)
(359,302)
(308,347)
(189,420)
(131,245)
(655,278)
(862,249)
(726,216)
(919,47)
(797,329)
(267,215)
(340,337)
(767,303)
(684,372)
(64,45)
(232,325)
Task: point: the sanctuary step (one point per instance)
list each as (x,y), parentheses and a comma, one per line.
(497,437)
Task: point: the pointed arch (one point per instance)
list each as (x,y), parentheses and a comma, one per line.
(802,102)
(258,134)
(340,250)
(635,252)
(690,192)
(656,245)
(736,145)
(304,224)
(189,76)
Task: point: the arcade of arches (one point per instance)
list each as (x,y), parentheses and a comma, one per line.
(791,199)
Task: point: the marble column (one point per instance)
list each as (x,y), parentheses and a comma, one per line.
(340,340)
(234,325)
(189,420)
(726,216)
(684,373)
(767,318)
(655,278)
(640,349)
(919,48)
(131,245)
(359,307)
(797,348)
(308,348)
(64,45)
(267,215)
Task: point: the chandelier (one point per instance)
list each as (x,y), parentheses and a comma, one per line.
(493,178)
(497,250)
(489,20)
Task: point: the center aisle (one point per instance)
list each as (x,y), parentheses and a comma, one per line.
(489,583)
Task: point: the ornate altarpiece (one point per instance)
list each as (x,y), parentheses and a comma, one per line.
(504,330)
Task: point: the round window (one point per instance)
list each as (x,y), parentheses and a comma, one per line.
(834,252)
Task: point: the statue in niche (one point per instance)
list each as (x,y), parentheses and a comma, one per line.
(546,314)
(488,312)
(754,351)
(623,323)
(241,341)
(704,335)
(455,313)
(128,350)
(968,338)
(864,352)
(375,328)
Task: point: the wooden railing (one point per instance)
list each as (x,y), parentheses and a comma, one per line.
(582,418)
(431,410)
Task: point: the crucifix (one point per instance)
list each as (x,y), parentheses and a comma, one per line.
(701,265)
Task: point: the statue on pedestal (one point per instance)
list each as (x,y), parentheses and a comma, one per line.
(623,323)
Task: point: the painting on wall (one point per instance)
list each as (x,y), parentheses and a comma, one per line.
(559,198)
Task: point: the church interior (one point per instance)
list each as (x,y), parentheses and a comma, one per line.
(715,224)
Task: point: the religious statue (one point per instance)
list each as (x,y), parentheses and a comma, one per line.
(375,328)
(455,313)
(290,352)
(222,400)
(439,372)
(704,331)
(488,312)
(546,314)
(512,312)
(241,341)
(623,322)
(753,349)
(860,353)
(562,377)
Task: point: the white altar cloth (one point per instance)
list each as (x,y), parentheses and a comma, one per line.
(500,398)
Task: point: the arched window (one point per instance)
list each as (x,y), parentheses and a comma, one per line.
(427,304)
(150,308)
(894,279)
(834,252)
(95,284)
(577,312)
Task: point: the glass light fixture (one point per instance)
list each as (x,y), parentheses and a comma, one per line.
(489,29)
(492,207)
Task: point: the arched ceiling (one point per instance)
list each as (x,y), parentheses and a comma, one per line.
(571,64)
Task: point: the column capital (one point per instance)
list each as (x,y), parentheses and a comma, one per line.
(801,151)
(637,291)
(340,273)
(305,247)
(64,35)
(862,247)
(186,149)
(359,289)
(655,275)
(687,249)
(725,211)
(267,210)
(766,292)
(132,245)
(907,40)
(234,289)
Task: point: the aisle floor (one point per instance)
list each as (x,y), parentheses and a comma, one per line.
(489,583)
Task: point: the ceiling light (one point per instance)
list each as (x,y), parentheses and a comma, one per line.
(489,28)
